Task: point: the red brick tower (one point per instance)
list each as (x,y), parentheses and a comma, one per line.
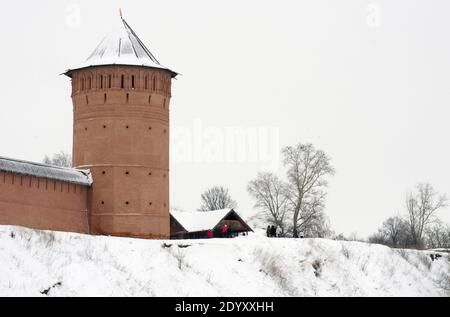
(121,98)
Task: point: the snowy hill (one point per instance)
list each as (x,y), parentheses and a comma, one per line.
(63,264)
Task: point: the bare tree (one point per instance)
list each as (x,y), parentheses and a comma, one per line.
(271,198)
(378,238)
(61,159)
(307,172)
(396,231)
(216,198)
(437,235)
(318,227)
(422,207)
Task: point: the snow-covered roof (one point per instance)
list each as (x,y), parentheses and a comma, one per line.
(69,175)
(199,220)
(121,47)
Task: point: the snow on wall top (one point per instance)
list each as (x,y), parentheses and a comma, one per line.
(199,220)
(121,47)
(69,175)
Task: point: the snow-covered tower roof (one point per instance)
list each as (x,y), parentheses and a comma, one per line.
(121,47)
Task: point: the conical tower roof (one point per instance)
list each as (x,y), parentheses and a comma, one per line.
(121,47)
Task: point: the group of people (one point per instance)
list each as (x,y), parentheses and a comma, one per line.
(225,232)
(273,232)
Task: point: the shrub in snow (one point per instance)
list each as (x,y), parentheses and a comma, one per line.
(403,253)
(444,282)
(317,266)
(419,259)
(46,238)
(47,290)
(363,264)
(273,267)
(345,250)
(425,260)
(180,256)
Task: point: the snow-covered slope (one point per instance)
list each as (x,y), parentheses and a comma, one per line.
(64,264)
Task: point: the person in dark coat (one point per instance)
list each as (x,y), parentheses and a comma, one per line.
(273,231)
(268,231)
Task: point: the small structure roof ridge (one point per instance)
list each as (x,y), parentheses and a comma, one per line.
(196,221)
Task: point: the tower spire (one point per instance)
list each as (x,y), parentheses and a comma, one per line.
(121,47)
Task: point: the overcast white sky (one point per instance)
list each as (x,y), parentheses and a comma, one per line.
(366,81)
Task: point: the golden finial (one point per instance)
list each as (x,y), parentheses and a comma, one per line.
(120,13)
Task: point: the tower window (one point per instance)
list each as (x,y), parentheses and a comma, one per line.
(89,83)
(105,98)
(103,202)
(127,203)
(132,82)
(109,81)
(127,173)
(128,97)
(101,81)
(154,83)
(87,100)
(104,126)
(149,99)
(103,172)
(83,82)
(122,82)
(127,127)
(146,83)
